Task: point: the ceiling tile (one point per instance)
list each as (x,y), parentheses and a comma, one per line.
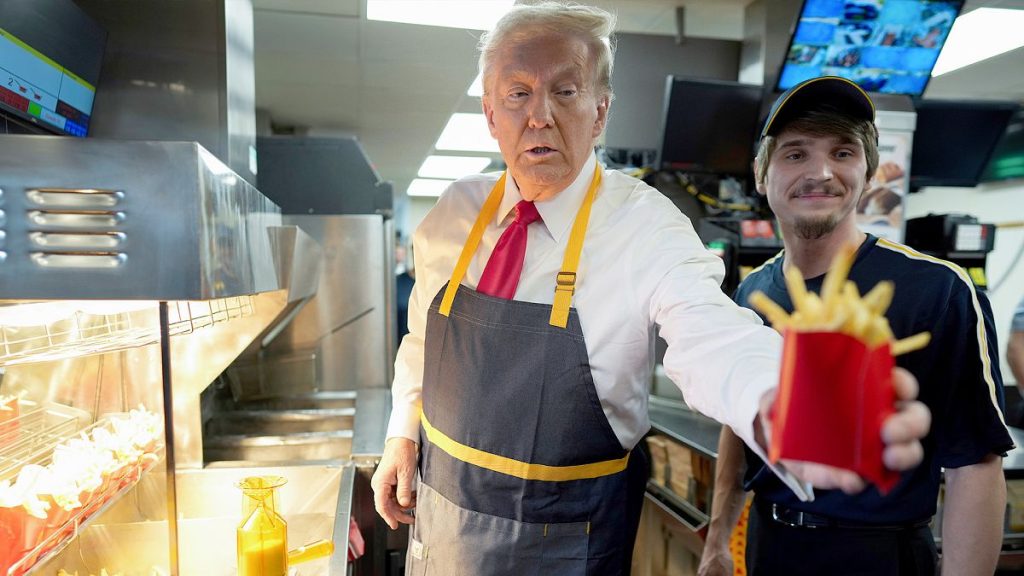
(351,8)
(305,35)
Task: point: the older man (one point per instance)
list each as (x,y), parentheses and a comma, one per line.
(524,375)
(818,152)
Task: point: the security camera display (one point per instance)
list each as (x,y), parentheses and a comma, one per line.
(883,45)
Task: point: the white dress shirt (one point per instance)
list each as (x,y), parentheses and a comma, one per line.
(642,265)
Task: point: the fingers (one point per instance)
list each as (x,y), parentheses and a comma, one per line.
(909,424)
(387,505)
(902,433)
(903,457)
(826,477)
(904,383)
(383,499)
(903,430)
(406,477)
(393,481)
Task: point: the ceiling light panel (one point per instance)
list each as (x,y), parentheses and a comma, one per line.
(425,187)
(452,166)
(978,35)
(467,133)
(471,14)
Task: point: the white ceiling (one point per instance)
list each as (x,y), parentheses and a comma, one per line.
(321,66)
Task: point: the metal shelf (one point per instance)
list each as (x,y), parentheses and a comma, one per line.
(35,437)
(85,328)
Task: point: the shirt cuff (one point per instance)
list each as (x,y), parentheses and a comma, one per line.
(749,405)
(405,422)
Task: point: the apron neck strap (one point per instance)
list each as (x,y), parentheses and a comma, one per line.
(565,282)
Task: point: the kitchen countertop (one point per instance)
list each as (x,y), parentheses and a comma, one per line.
(674,419)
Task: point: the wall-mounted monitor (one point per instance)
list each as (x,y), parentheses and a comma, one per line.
(887,46)
(50,57)
(1007,160)
(709,126)
(953,141)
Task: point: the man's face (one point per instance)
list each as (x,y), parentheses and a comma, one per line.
(813,182)
(542,107)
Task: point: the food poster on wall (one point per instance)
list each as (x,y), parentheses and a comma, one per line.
(880,210)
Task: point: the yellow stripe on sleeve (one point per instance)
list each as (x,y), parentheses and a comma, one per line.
(980,328)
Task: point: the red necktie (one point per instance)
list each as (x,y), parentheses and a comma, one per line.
(501,275)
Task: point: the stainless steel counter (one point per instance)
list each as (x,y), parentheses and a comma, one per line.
(695,430)
(673,418)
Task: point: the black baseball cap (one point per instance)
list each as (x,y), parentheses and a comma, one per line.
(831,93)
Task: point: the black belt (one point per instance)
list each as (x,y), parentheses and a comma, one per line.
(800,519)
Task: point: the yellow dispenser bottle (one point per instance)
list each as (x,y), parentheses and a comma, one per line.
(263,533)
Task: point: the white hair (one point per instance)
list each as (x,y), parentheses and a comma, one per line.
(594,25)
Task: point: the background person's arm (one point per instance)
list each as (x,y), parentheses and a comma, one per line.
(1015,358)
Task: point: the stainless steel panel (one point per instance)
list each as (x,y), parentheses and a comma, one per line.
(373,410)
(343,329)
(278,422)
(294,448)
(324,176)
(188,227)
(198,358)
(316,401)
(238,91)
(178,70)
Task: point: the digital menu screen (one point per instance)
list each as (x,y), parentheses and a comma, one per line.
(883,45)
(37,87)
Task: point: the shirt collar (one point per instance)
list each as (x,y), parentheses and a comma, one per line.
(557,213)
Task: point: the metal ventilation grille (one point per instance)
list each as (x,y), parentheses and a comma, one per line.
(76,227)
(58,330)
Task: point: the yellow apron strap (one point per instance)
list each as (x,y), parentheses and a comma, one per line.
(518,468)
(565,282)
(487,212)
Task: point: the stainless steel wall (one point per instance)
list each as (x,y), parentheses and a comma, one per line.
(641,64)
(178,70)
(341,339)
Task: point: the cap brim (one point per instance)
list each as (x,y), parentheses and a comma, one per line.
(826,93)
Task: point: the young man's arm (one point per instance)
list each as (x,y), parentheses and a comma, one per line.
(972,521)
(971,439)
(726,505)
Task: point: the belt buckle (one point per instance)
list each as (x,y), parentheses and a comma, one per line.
(799,522)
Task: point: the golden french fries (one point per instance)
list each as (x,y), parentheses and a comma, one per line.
(840,308)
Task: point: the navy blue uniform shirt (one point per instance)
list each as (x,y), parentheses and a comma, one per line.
(958,373)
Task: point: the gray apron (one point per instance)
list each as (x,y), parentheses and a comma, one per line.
(520,470)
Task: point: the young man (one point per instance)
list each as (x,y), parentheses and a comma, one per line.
(817,155)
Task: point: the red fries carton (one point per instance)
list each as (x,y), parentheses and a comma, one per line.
(834,394)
